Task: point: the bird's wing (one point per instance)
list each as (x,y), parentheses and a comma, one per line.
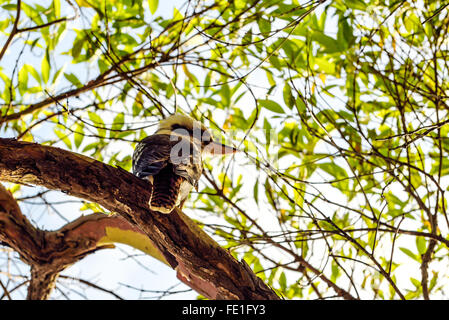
(155,152)
(151,155)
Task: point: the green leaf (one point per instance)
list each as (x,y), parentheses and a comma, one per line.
(300,106)
(117,124)
(416,283)
(10,6)
(73,79)
(345,35)
(356,4)
(288,96)
(247,38)
(336,171)
(271,105)
(421,245)
(410,254)
(33,13)
(283,281)
(57,75)
(23,80)
(90,146)
(57,8)
(256,192)
(64,137)
(78,134)
(239,4)
(335,272)
(119,121)
(330,44)
(411,22)
(268,131)
(45,67)
(340,175)
(77,47)
(269,74)
(177,15)
(225,93)
(33,72)
(102,65)
(153,5)
(98,124)
(264,26)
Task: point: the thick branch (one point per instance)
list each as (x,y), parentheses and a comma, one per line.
(200,261)
(43,280)
(50,252)
(16,231)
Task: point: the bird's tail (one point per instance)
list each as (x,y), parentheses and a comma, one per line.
(166,187)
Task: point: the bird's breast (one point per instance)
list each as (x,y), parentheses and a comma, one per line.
(184,191)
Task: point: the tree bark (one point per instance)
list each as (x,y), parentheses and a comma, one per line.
(199,261)
(43,280)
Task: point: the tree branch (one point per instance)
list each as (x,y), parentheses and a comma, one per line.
(13,31)
(50,252)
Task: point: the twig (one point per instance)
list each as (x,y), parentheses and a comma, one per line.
(13,31)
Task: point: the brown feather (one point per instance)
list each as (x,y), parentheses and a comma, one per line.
(166,185)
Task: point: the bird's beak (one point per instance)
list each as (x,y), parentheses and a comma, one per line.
(216,148)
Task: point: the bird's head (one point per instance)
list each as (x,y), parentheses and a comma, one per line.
(185,126)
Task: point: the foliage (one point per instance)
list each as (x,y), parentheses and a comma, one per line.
(339,106)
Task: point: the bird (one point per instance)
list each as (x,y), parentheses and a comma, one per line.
(171,160)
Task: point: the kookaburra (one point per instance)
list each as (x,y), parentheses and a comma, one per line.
(171,160)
